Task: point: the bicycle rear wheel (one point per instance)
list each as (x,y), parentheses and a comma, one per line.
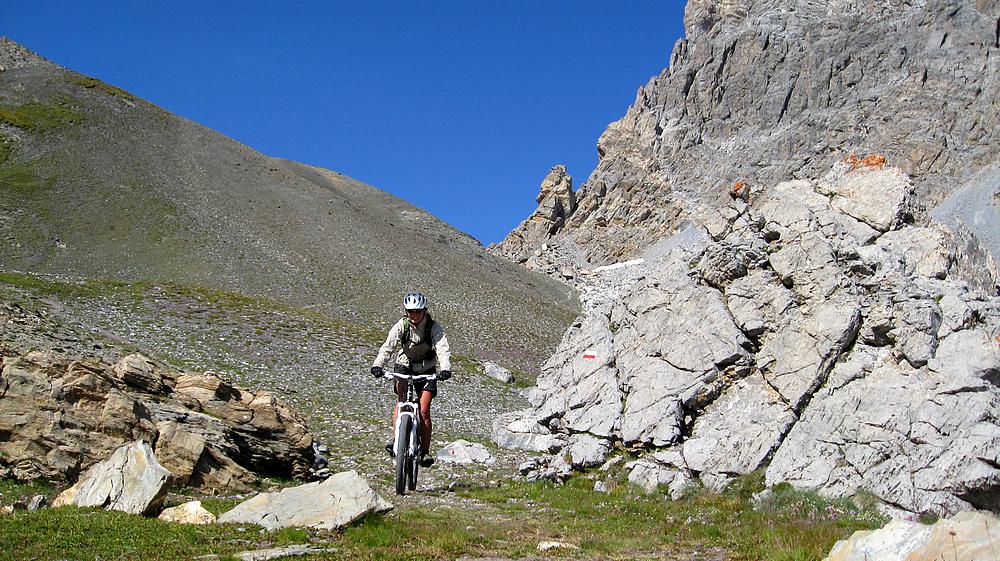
(403,458)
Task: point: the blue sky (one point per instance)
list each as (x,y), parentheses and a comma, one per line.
(460,108)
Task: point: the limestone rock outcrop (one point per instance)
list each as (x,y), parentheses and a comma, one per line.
(59,417)
(761,91)
(815,331)
(556,202)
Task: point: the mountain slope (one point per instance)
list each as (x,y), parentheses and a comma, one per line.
(95,182)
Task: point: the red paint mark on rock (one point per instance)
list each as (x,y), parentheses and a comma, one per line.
(589,356)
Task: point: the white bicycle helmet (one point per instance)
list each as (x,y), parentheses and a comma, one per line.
(414,301)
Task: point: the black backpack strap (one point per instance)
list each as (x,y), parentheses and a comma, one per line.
(429,338)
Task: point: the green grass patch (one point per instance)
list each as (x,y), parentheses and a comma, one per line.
(417,533)
(12,490)
(22,179)
(5,151)
(76,533)
(94,83)
(505,521)
(52,287)
(39,117)
(789,525)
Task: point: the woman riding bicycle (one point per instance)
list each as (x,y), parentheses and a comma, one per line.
(424,348)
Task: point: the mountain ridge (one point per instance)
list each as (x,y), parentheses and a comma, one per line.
(99,183)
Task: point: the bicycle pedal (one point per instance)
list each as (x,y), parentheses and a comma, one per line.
(388,450)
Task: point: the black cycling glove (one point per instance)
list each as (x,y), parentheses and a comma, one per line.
(377,371)
(444,375)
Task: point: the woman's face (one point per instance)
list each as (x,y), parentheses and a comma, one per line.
(416,316)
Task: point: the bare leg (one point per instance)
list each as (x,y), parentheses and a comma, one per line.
(425,414)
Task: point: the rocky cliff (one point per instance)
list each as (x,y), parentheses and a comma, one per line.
(812,332)
(760,91)
(808,199)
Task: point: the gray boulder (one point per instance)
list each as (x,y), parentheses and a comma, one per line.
(327,505)
(521,430)
(651,475)
(737,433)
(497,372)
(286,551)
(817,361)
(923,441)
(878,196)
(465,452)
(131,480)
(586,451)
(580,382)
(190,512)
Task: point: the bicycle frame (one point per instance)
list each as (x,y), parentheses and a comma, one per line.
(408,415)
(412,410)
(409,408)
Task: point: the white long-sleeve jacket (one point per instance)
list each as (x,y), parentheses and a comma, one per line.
(442,360)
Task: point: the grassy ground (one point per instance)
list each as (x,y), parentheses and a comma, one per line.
(506,521)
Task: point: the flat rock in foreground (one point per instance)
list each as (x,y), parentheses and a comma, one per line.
(967,535)
(327,505)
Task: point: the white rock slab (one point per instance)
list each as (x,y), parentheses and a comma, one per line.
(131,480)
(967,535)
(465,452)
(327,505)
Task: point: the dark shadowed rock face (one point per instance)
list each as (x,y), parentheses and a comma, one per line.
(58,418)
(760,91)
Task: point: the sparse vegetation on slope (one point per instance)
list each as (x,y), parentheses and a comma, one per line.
(91,83)
(39,117)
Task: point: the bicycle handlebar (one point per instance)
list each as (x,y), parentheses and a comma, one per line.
(411,378)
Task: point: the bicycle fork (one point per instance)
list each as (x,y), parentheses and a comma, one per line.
(407,410)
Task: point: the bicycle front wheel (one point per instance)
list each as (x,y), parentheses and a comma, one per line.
(413,467)
(403,453)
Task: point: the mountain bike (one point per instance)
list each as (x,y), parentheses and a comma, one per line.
(406,433)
